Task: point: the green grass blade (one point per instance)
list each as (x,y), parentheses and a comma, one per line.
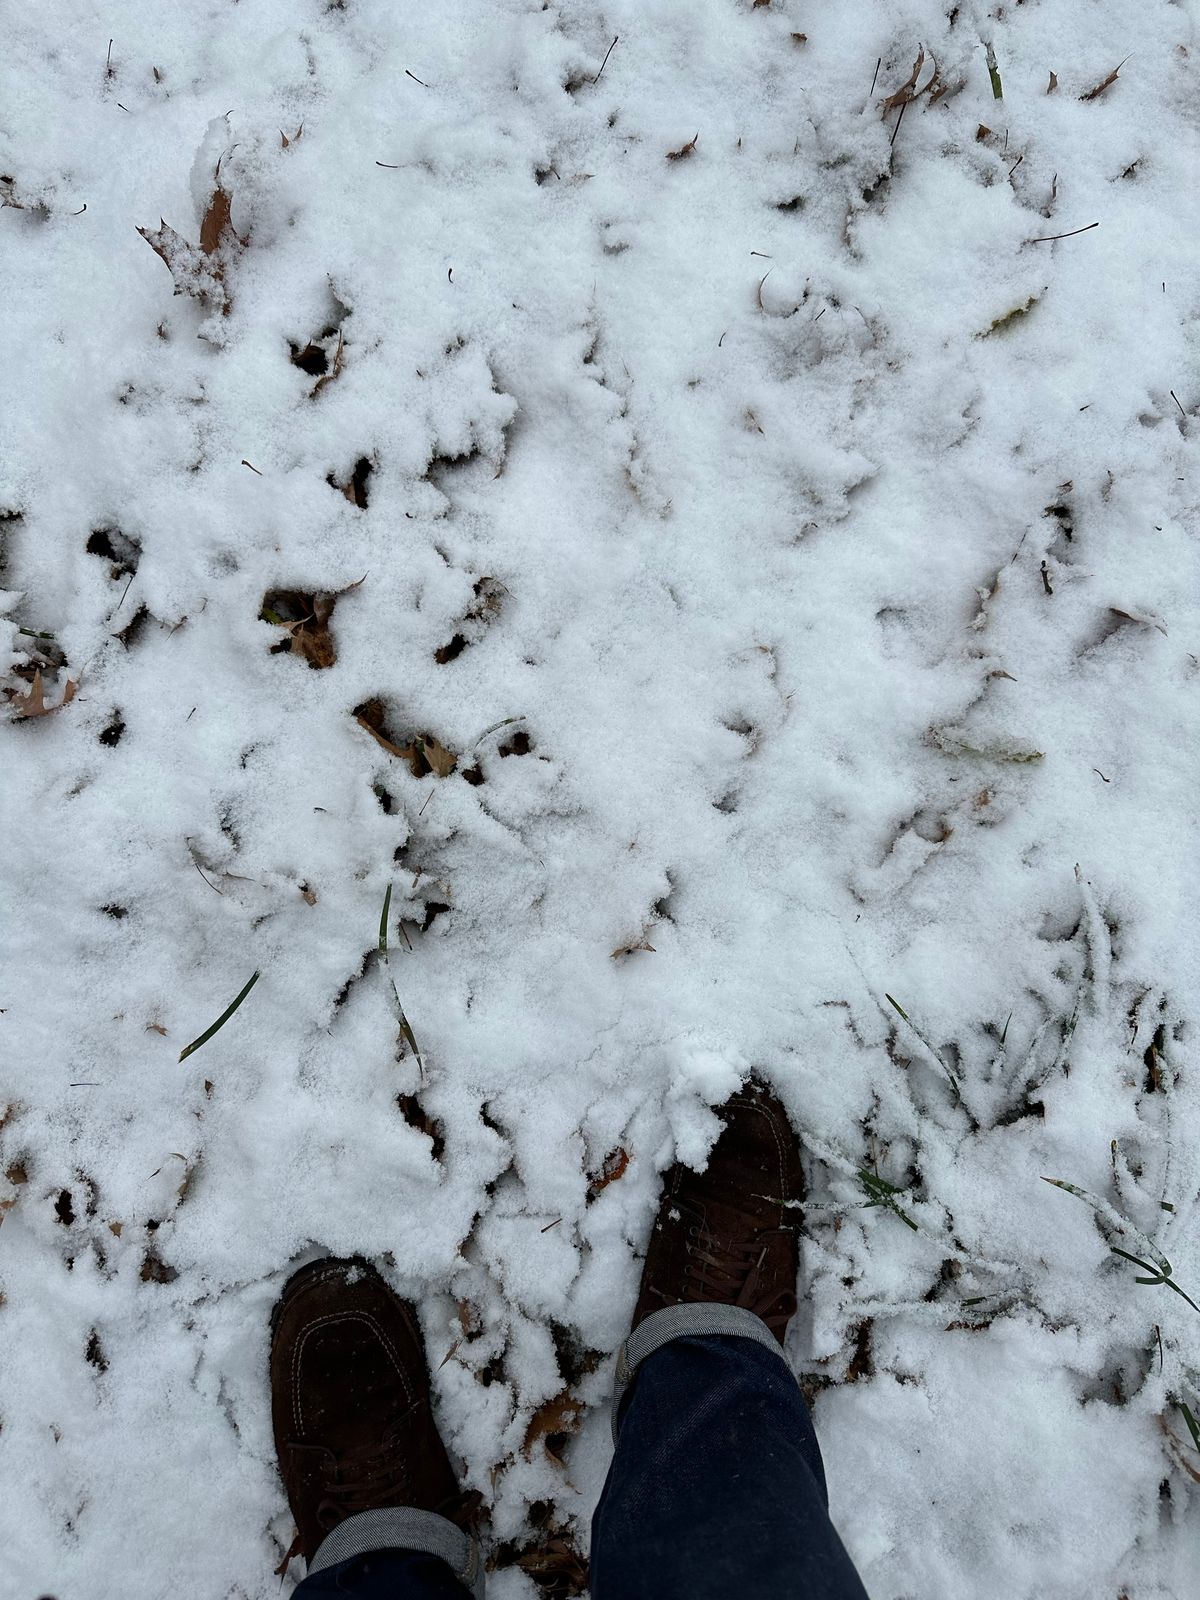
(221,1020)
(994,74)
(383,922)
(1171,1284)
(406,1030)
(1193,1427)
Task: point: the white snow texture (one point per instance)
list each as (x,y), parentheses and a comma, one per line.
(735,420)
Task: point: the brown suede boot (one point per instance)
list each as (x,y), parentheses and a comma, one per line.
(731,1234)
(350,1401)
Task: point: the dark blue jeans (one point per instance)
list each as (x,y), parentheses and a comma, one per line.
(716,1490)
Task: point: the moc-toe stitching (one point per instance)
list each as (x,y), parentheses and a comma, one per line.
(326,1321)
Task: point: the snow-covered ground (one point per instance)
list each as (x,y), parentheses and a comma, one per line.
(827,524)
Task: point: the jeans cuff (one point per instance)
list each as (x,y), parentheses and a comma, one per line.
(696,1321)
(404,1528)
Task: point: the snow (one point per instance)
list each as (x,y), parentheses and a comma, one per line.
(821,701)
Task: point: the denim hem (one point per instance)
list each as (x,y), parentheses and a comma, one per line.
(404,1528)
(697,1321)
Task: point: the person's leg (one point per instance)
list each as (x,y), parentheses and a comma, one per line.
(377,1505)
(717,1488)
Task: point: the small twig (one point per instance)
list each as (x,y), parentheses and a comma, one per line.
(251,465)
(899,120)
(1046,238)
(415,79)
(607,53)
(553,1224)
(1046,578)
(208,881)
(820,313)
(81,210)
(875,79)
(1175,397)
(1100,775)
(426,801)
(108,71)
(390,165)
(1015,165)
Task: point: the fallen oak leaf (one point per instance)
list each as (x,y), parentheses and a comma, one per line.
(34,704)
(441,760)
(217,221)
(191,271)
(561,1415)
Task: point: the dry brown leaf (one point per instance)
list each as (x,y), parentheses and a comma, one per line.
(191,271)
(392,749)
(34,704)
(305,616)
(614,1166)
(355,487)
(629,949)
(156,1027)
(307,895)
(468,1319)
(450,1354)
(441,761)
(684,150)
(1139,616)
(907,90)
(1053,84)
(424,753)
(116,1229)
(555,1566)
(332,373)
(217,221)
(1106,83)
(15,1175)
(562,1414)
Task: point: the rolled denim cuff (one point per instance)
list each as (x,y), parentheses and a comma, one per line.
(697,1321)
(404,1528)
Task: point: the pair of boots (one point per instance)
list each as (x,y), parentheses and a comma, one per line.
(354,1427)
